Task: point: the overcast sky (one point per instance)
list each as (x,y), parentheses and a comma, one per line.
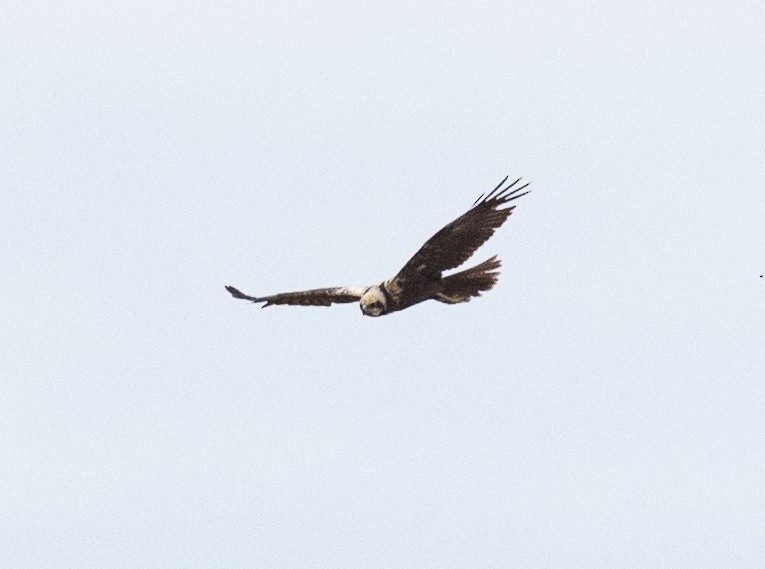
(602,407)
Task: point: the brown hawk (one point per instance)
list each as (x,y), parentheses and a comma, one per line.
(422,277)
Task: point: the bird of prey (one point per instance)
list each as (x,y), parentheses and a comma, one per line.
(422,277)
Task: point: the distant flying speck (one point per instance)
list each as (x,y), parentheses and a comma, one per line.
(421,278)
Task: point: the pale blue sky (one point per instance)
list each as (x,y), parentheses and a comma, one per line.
(601,407)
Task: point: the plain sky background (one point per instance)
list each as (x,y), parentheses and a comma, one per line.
(603,406)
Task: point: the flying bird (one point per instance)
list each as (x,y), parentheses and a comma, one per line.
(422,277)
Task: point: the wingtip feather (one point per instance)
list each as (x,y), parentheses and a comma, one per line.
(502,195)
(236,293)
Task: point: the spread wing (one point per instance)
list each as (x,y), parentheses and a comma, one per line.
(457,241)
(315,297)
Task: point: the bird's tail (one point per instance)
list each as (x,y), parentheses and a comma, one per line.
(460,287)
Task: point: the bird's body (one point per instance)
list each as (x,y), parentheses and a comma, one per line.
(422,277)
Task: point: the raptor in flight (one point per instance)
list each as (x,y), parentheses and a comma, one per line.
(422,277)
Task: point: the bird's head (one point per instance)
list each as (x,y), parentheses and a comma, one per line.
(373,302)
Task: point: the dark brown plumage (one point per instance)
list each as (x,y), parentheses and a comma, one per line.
(315,297)
(421,278)
(457,241)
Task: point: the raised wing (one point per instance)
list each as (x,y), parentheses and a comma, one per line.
(315,297)
(457,241)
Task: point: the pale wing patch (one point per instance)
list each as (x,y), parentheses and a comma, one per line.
(357,291)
